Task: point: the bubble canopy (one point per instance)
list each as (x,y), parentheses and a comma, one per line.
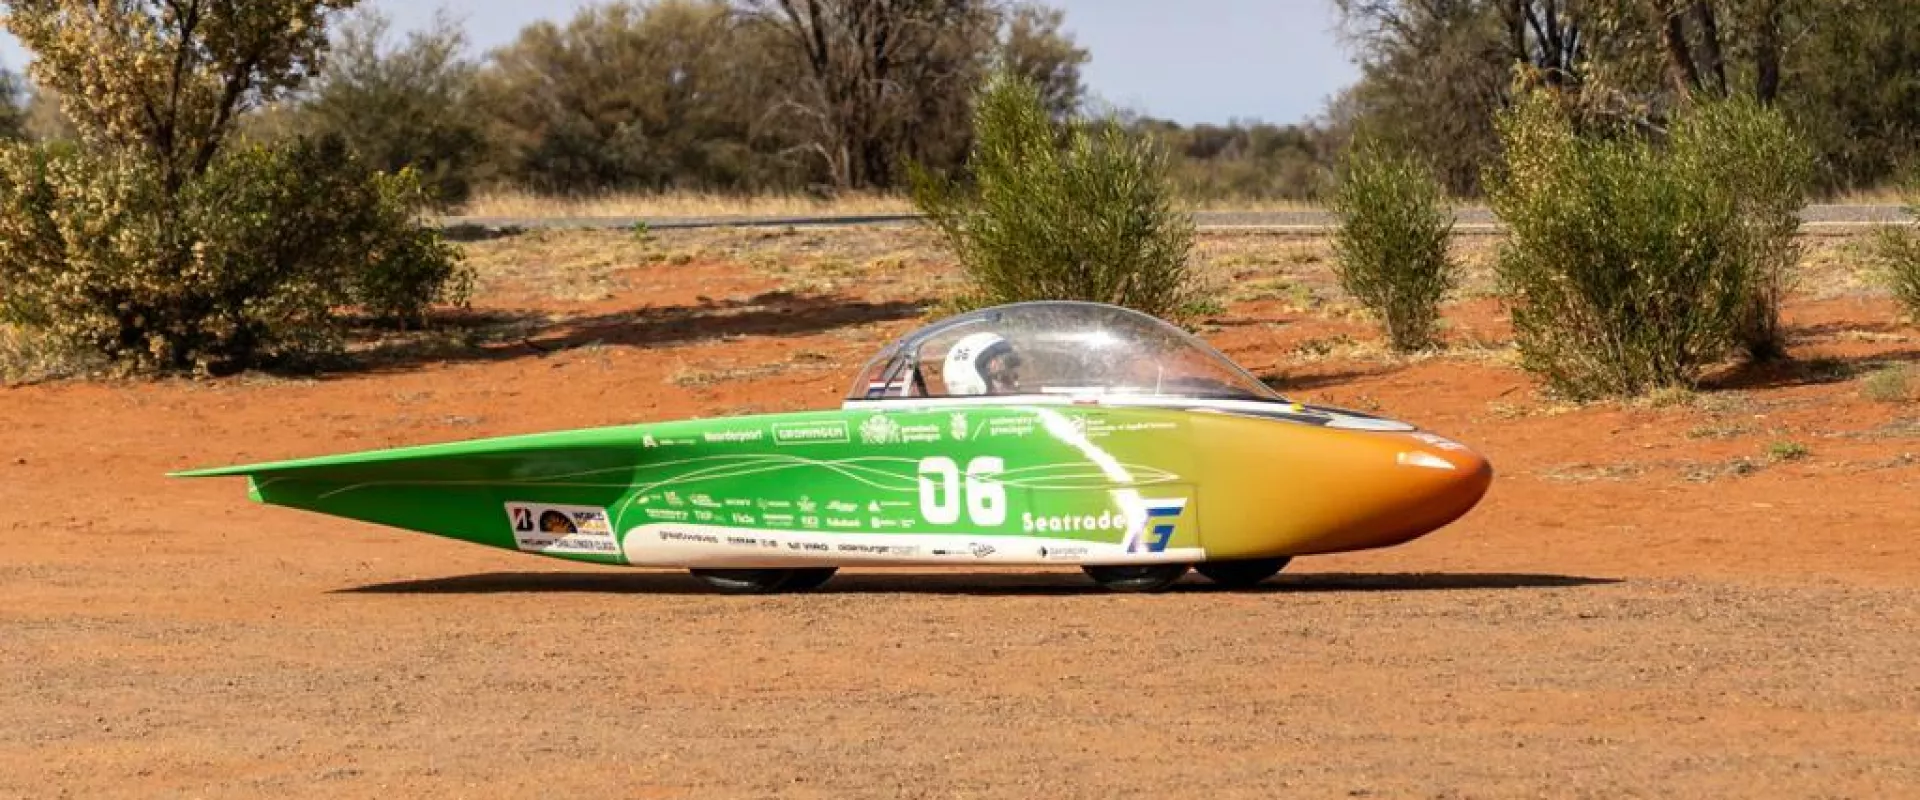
(1054,348)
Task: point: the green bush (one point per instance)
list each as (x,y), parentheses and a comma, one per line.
(1092,220)
(1392,242)
(1897,249)
(251,263)
(1634,265)
(1769,167)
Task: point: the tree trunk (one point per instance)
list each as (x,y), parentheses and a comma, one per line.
(1680,67)
(1713,69)
(1767,53)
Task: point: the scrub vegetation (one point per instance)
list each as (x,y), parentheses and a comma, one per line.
(1392,242)
(156,241)
(1095,220)
(1897,252)
(1636,263)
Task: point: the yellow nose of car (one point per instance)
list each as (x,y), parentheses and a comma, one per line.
(1287,489)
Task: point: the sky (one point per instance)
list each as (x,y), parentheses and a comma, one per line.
(1193,61)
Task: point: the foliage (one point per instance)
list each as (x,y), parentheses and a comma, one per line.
(14,106)
(151,240)
(668,95)
(1432,75)
(246,264)
(1034,45)
(1768,167)
(1392,242)
(1093,220)
(1853,84)
(866,87)
(1630,267)
(1245,161)
(874,85)
(409,106)
(1889,384)
(1897,251)
(1434,72)
(170,78)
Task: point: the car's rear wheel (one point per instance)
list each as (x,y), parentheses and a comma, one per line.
(752,581)
(1138,577)
(1243,573)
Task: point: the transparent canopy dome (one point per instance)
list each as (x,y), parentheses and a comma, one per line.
(1064,348)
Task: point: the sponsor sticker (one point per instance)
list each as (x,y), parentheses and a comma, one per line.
(797,433)
(561,530)
(1161,515)
(733,437)
(1017,427)
(882,429)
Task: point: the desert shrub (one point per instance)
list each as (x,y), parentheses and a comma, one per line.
(1392,242)
(1081,213)
(28,355)
(1887,384)
(251,262)
(1897,251)
(1769,167)
(1631,264)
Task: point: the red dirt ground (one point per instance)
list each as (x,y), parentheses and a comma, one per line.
(1647,603)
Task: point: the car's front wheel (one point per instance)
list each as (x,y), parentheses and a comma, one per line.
(1243,573)
(1138,577)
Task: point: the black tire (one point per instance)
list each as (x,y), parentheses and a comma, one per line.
(1243,573)
(1137,578)
(809,579)
(746,581)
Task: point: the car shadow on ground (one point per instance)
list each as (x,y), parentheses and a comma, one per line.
(975,584)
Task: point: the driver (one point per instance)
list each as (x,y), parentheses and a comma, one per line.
(981,363)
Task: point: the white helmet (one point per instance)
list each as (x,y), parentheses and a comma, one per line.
(965,371)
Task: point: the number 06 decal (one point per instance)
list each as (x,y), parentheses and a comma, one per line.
(941,494)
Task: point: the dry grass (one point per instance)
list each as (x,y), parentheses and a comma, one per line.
(561,265)
(522,205)
(1888,385)
(517,204)
(1883,196)
(712,374)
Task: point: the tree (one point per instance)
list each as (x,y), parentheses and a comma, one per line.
(1034,46)
(1852,81)
(170,76)
(1433,74)
(669,95)
(152,241)
(1434,70)
(405,106)
(872,72)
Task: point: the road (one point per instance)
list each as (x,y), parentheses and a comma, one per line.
(1470,220)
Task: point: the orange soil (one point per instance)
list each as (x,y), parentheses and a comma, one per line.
(1626,614)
